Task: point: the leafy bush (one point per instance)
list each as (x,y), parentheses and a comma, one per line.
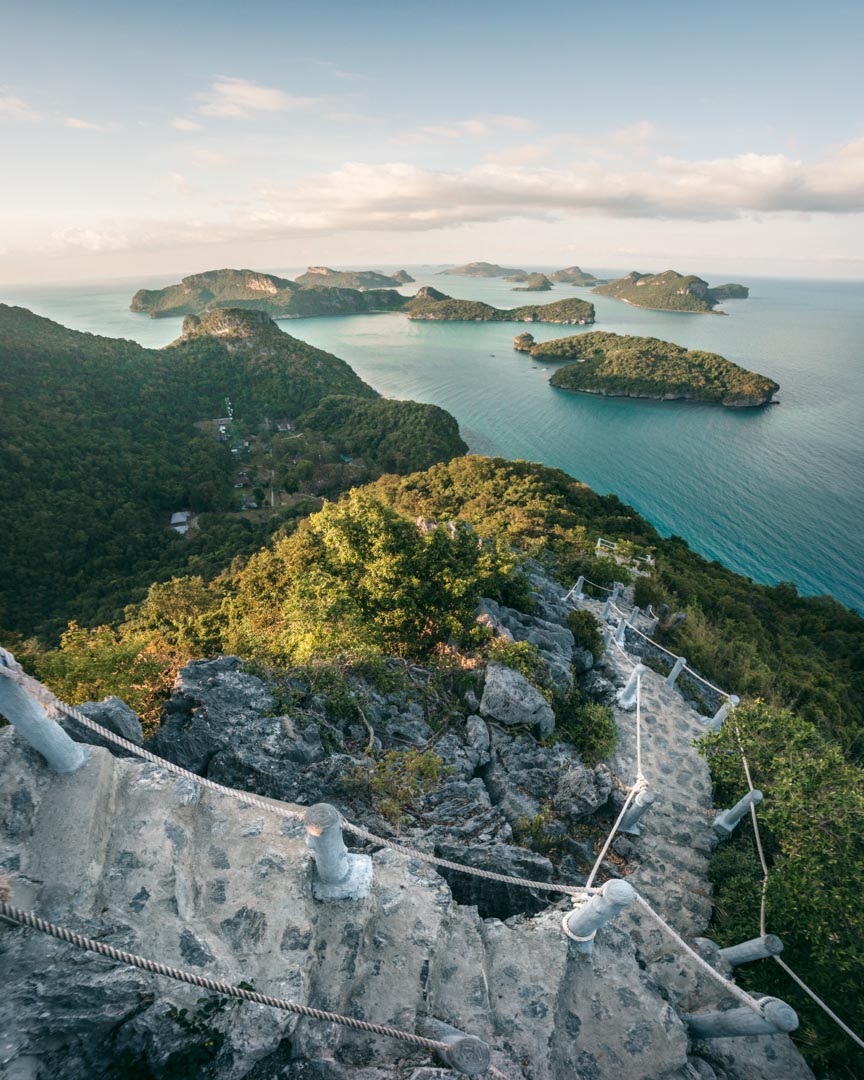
(647,591)
(398,779)
(589,727)
(586,631)
(523,657)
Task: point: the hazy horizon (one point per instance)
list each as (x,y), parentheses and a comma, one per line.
(626,137)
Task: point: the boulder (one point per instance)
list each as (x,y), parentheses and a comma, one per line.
(509,698)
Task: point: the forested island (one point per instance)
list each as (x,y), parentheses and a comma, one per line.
(533,283)
(280,298)
(575,275)
(432,305)
(322,277)
(485,270)
(114,438)
(671,291)
(621,365)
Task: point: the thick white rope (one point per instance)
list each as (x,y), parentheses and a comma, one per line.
(711,685)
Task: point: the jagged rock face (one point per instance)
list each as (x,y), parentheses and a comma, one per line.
(427,292)
(509,698)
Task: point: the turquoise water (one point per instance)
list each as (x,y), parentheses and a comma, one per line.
(773,493)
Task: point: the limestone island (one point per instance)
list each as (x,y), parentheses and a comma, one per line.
(485,269)
(620,365)
(575,275)
(523,342)
(534,283)
(671,291)
(432,305)
(280,298)
(322,277)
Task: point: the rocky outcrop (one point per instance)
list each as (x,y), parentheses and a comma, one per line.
(523,342)
(510,699)
(124,852)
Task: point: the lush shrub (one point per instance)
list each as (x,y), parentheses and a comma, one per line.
(588,726)
(586,631)
(397,780)
(647,591)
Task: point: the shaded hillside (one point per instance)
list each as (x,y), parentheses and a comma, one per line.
(574,275)
(107,439)
(671,291)
(484,269)
(621,365)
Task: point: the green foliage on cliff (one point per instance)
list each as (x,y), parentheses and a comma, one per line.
(319,277)
(569,310)
(671,291)
(810,821)
(622,365)
(101,448)
(574,275)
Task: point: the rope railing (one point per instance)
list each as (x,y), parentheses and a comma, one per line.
(11,670)
(32,921)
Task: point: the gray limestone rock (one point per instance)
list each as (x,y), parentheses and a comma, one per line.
(509,698)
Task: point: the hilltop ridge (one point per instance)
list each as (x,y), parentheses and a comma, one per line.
(671,291)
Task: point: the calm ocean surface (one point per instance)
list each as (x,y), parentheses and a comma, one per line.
(774,493)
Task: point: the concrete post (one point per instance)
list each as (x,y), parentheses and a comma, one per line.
(726,821)
(616,590)
(627,696)
(607,639)
(602,906)
(755,949)
(630,821)
(634,615)
(776,1017)
(578,588)
(465,1053)
(716,722)
(607,609)
(339,875)
(652,629)
(672,677)
(621,631)
(31,721)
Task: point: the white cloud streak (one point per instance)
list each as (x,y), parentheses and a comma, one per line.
(232,97)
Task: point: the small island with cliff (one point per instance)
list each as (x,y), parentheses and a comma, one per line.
(671,291)
(621,365)
(432,305)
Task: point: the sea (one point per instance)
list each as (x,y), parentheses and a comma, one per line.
(774,493)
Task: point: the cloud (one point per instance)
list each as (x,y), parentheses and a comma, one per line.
(213,159)
(180,123)
(15,108)
(476,127)
(400,196)
(239,98)
(77,124)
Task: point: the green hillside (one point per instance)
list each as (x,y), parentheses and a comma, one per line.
(108,439)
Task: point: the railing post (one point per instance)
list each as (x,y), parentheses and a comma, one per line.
(759,948)
(621,631)
(607,639)
(339,875)
(578,589)
(616,590)
(726,821)
(607,608)
(774,1017)
(627,696)
(33,724)
(716,721)
(465,1053)
(634,615)
(672,677)
(584,922)
(630,821)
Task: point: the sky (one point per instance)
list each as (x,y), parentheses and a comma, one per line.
(162,139)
